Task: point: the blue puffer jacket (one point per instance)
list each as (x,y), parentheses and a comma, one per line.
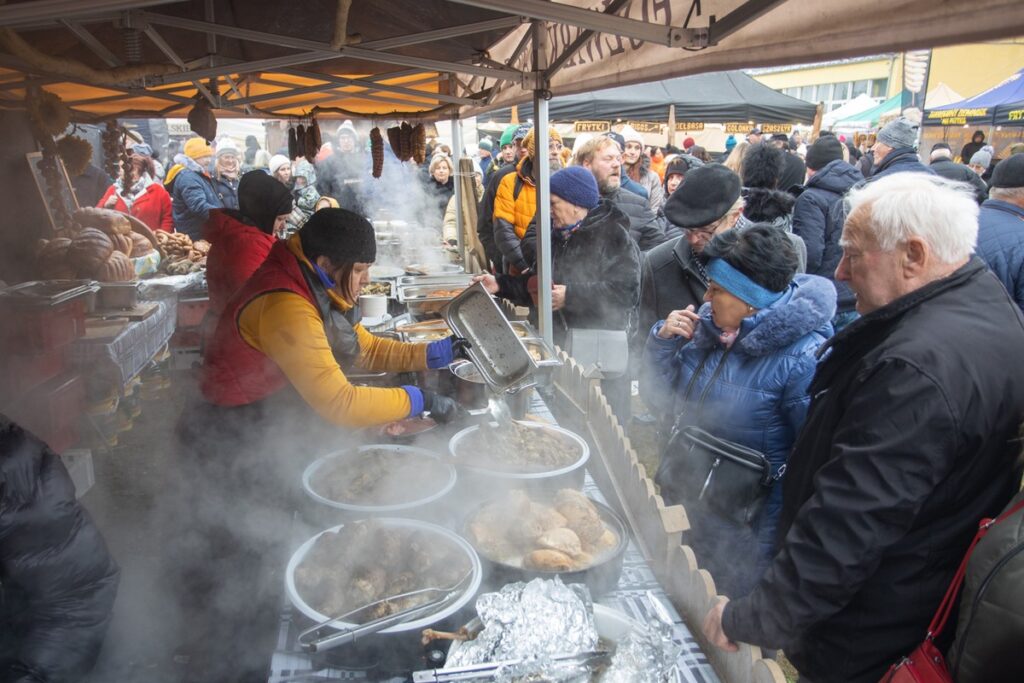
(816,223)
(192,197)
(1001,244)
(758,399)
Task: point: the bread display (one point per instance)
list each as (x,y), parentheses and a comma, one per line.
(117,268)
(89,250)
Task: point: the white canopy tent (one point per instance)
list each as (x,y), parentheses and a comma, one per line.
(940,96)
(861,103)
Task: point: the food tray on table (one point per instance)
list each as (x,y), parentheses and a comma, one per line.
(428,300)
(634,596)
(494,347)
(457,279)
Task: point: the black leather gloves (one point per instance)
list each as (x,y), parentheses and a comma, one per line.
(442,408)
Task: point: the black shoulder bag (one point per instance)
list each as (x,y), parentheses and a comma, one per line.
(697,468)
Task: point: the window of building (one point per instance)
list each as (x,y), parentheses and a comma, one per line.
(823,92)
(860,88)
(841,91)
(807,93)
(879,87)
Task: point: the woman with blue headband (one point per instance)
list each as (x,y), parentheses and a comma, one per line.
(737,372)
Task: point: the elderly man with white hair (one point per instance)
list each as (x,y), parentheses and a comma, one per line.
(909,441)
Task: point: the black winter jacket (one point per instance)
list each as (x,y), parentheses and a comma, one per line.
(910,439)
(485,216)
(820,228)
(57,580)
(900,160)
(671,281)
(600,267)
(954,171)
(644,227)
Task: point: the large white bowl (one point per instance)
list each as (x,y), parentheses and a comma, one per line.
(468,593)
(424,498)
(523,477)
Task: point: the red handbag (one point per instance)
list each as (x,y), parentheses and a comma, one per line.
(926,664)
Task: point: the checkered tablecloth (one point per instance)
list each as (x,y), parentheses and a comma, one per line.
(119,359)
(637,588)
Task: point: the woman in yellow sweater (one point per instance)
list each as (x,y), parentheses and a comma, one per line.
(274,378)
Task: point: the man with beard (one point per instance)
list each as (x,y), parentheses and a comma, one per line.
(602,157)
(673,275)
(511,141)
(342,175)
(638,167)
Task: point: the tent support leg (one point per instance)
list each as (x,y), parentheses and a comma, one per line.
(457,152)
(542,168)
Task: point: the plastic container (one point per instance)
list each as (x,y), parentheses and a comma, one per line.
(192,311)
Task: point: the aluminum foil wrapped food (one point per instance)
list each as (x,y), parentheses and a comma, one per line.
(543,670)
(648,653)
(529,620)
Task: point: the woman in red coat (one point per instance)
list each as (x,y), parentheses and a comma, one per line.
(146,199)
(240,240)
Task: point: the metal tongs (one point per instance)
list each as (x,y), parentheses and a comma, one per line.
(487,670)
(336,632)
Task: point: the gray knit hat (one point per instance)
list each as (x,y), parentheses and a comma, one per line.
(898,133)
(982,158)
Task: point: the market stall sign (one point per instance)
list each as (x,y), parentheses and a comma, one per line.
(959,117)
(591,127)
(688,126)
(645,126)
(739,127)
(1013,116)
(768,128)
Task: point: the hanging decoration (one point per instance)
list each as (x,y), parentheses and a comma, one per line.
(76,153)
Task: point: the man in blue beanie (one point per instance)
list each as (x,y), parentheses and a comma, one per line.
(595,269)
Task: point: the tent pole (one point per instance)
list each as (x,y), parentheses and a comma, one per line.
(543,174)
(457,152)
(672,125)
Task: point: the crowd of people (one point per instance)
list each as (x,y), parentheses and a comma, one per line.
(843,321)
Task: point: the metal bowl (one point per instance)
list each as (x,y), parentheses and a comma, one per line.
(412,627)
(600,578)
(417,506)
(474,479)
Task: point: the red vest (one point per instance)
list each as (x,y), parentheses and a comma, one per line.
(234,373)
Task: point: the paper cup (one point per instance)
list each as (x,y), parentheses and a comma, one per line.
(373,305)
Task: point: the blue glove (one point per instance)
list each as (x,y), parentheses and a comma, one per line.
(442,352)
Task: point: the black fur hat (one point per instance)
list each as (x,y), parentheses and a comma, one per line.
(763,165)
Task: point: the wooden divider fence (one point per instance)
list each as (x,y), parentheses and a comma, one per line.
(580,406)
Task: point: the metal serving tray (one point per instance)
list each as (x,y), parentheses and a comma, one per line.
(495,349)
(47,292)
(453,279)
(541,353)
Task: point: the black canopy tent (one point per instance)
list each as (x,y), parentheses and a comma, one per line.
(711,98)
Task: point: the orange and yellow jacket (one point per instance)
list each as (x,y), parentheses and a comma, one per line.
(514,206)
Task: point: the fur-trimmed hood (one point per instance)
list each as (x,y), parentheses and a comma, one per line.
(806,307)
